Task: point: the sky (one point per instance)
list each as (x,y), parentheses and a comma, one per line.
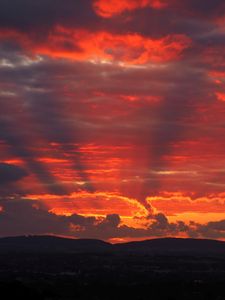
(112,118)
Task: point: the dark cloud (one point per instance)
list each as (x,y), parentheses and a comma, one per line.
(158,23)
(44,14)
(21,217)
(11,173)
(205,8)
(211,230)
(23,149)
(49,112)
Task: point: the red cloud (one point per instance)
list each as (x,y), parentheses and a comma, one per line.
(110,8)
(103,46)
(220,96)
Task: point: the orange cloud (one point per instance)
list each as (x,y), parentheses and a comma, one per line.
(97,204)
(103,47)
(177,203)
(110,8)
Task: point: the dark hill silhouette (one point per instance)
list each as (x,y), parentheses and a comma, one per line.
(51,244)
(175,245)
(162,246)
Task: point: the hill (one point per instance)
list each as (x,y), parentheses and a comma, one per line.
(174,246)
(52,244)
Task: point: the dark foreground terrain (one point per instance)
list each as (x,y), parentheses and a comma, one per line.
(54,268)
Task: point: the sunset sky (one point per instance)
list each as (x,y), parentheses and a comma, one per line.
(112,118)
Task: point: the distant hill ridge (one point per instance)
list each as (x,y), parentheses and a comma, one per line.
(52,244)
